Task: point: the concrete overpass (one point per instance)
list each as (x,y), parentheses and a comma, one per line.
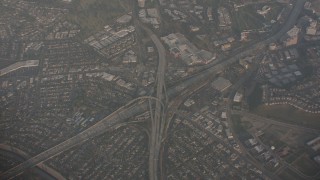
(157,121)
(126,112)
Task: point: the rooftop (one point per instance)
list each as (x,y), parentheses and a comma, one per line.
(124,19)
(221,84)
(293,32)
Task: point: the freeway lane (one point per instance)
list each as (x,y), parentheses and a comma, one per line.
(157,123)
(252,50)
(99,128)
(123,113)
(17,154)
(157,119)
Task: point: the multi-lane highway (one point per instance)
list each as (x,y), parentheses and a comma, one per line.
(18,153)
(116,118)
(249,51)
(126,112)
(157,121)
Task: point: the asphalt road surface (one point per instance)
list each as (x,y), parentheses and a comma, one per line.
(124,113)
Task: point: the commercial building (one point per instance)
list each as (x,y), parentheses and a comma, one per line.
(224,17)
(221,84)
(182,48)
(312,29)
(110,42)
(124,19)
(292,37)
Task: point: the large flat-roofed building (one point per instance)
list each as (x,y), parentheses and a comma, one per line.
(221,84)
(124,19)
(292,36)
(19,65)
(312,29)
(111,42)
(180,47)
(224,17)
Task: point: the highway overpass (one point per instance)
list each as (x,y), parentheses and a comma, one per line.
(126,112)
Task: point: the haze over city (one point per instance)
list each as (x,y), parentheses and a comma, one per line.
(160,89)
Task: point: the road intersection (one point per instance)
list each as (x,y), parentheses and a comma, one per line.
(132,109)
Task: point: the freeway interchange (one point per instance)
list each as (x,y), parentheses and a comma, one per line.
(139,105)
(157,120)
